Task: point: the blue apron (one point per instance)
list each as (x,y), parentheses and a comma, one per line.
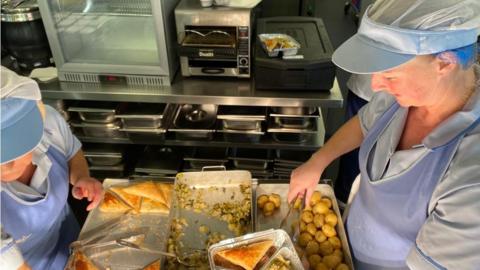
(43,229)
(387,214)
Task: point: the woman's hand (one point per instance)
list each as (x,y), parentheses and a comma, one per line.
(305,177)
(90,188)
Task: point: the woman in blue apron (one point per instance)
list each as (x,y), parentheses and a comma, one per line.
(40,157)
(417,202)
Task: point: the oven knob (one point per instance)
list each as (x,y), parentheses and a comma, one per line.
(243,61)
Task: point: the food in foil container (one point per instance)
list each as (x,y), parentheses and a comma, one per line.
(269,203)
(273,44)
(284,259)
(319,242)
(253,251)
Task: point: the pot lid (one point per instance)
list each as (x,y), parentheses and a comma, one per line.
(20,10)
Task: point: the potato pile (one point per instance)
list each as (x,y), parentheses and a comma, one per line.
(269,203)
(318,240)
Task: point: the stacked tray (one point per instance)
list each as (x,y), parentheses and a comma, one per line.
(294,125)
(194,121)
(143,121)
(201,157)
(158,162)
(105,160)
(97,119)
(257,161)
(241,123)
(287,160)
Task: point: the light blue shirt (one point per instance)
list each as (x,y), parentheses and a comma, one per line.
(57,134)
(451,234)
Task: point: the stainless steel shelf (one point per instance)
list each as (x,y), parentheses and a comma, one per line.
(267,143)
(221,91)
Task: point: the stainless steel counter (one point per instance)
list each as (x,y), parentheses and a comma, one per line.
(221,91)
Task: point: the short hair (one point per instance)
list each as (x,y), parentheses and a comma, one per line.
(466,56)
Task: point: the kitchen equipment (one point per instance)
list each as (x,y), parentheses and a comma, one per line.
(96,112)
(23,34)
(103,154)
(294,110)
(118,256)
(98,130)
(247,158)
(294,214)
(159,161)
(314,72)
(199,196)
(295,121)
(205,156)
(101,172)
(145,116)
(213,41)
(112,41)
(246,118)
(267,222)
(195,121)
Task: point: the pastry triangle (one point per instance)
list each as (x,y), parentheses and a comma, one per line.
(133,201)
(147,190)
(151,206)
(246,256)
(166,190)
(153,266)
(81,262)
(112,205)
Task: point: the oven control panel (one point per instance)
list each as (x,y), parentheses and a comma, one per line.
(243,51)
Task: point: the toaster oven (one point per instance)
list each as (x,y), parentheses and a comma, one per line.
(213,41)
(121,41)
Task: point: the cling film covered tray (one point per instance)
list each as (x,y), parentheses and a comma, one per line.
(207,207)
(99,235)
(273,220)
(255,250)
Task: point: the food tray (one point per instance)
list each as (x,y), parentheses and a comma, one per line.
(280,239)
(95,112)
(273,44)
(122,258)
(195,195)
(265,223)
(289,255)
(140,115)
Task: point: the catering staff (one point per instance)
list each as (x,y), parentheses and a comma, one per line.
(39,158)
(359,93)
(417,206)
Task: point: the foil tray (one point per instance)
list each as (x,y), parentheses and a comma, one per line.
(116,257)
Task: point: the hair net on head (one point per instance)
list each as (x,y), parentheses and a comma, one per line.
(393,32)
(17,86)
(439,15)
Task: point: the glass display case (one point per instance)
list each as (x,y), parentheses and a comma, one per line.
(129,41)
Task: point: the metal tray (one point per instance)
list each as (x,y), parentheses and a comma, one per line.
(252,136)
(295,121)
(103,154)
(242,117)
(103,130)
(293,157)
(97,112)
(122,258)
(195,116)
(159,161)
(256,159)
(140,115)
(265,223)
(294,110)
(192,134)
(205,190)
(205,156)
